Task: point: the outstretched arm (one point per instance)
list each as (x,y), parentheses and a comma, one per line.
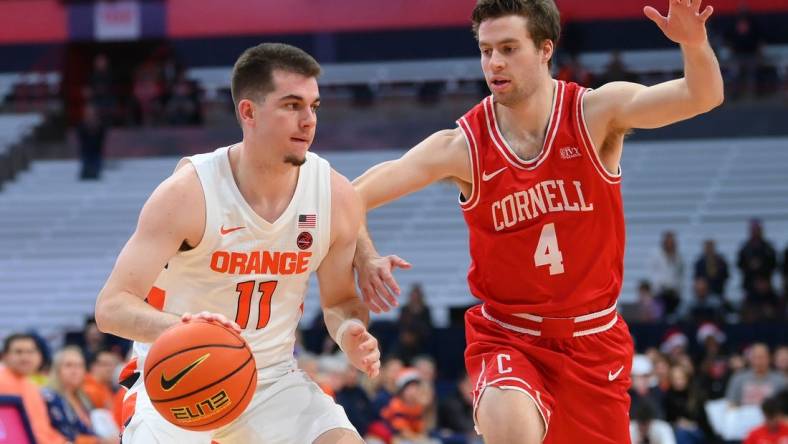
(625,105)
(440,156)
(345,314)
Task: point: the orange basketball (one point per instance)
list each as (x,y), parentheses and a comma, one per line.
(200,375)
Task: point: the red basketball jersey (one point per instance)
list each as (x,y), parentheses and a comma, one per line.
(547,234)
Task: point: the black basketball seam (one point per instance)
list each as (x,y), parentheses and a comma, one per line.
(252,379)
(207,386)
(150,370)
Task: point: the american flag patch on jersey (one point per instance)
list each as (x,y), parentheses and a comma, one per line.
(307,220)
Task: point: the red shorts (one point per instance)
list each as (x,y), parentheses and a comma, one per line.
(579,383)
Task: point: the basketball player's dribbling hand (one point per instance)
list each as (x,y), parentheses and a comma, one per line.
(376,281)
(685,24)
(213,317)
(361,349)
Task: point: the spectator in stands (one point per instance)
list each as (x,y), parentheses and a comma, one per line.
(101,90)
(404,415)
(183,105)
(781,360)
(99,385)
(93,339)
(353,398)
(704,307)
(646,428)
(43,361)
(148,93)
(761,302)
(666,269)
(91,133)
(683,407)
(19,362)
(757,257)
(643,390)
(752,386)
(674,345)
(713,372)
(425,365)
(744,42)
(649,309)
(712,267)
(69,409)
(661,378)
(455,411)
(775,428)
(390,368)
(415,325)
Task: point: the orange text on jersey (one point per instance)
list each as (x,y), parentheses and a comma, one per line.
(260,262)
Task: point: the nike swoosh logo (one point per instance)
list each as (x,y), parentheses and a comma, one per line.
(486,177)
(612,376)
(169,383)
(229,230)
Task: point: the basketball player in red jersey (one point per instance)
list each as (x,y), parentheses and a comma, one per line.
(537,166)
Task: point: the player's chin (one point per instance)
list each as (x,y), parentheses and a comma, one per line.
(295,160)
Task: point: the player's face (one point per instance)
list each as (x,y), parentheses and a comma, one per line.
(22,357)
(511,62)
(287,118)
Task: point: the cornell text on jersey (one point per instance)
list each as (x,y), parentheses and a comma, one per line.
(548,196)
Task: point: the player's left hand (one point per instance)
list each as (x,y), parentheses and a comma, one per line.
(361,349)
(685,24)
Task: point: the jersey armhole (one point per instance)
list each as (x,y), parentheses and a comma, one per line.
(588,143)
(211,225)
(473,153)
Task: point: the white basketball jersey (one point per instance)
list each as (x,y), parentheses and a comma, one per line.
(252,271)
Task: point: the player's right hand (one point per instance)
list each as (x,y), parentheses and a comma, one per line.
(378,287)
(213,317)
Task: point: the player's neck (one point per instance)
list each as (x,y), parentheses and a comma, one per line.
(530,116)
(261,178)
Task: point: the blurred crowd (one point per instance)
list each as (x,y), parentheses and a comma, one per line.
(748,71)
(691,389)
(661,295)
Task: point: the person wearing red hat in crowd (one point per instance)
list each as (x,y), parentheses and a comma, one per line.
(713,370)
(775,428)
(674,344)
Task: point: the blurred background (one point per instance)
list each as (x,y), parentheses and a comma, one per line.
(99,99)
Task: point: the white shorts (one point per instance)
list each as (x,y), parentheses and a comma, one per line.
(290,409)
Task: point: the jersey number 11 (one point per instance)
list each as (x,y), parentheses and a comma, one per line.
(245,291)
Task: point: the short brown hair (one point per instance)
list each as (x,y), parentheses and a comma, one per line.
(253,72)
(544,21)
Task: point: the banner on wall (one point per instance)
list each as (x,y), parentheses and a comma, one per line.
(117,20)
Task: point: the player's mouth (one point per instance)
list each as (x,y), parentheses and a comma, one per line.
(300,140)
(499,84)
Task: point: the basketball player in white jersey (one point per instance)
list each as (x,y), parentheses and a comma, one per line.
(233,236)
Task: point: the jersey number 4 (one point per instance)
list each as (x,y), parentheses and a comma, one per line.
(245,292)
(547,252)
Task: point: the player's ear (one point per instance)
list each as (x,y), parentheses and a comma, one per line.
(246,111)
(547,49)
